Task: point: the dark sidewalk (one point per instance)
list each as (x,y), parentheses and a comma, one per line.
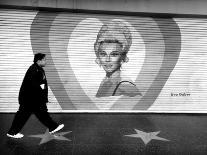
(101,133)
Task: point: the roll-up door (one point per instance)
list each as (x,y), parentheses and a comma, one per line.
(105,62)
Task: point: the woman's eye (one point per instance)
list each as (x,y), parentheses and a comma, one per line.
(102,54)
(114,54)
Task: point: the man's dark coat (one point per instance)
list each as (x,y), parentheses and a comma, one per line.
(31,95)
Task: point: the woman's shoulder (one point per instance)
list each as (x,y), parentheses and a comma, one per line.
(126,80)
(127,87)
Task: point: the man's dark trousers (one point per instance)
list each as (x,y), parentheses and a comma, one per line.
(24,113)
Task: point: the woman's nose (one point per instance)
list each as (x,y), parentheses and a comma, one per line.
(108,58)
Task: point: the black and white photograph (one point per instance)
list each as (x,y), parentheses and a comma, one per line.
(118,77)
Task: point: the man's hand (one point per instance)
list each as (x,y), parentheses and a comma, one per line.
(42,86)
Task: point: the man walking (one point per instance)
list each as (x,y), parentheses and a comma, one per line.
(33,96)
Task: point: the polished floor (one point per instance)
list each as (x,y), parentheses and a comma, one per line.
(110,134)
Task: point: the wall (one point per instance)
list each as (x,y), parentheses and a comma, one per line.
(166,61)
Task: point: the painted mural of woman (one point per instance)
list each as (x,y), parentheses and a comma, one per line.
(111,47)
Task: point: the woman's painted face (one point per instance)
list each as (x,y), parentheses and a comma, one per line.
(110,56)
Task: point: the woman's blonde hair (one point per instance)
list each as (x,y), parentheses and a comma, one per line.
(115,31)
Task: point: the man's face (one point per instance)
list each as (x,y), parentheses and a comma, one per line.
(110,56)
(42,62)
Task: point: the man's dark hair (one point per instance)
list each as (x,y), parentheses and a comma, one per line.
(38,56)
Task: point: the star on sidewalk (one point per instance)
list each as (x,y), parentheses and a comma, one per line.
(46,137)
(147,136)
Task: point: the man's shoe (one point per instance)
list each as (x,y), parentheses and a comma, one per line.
(57,129)
(18,135)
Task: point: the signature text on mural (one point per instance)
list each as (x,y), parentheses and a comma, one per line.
(180,94)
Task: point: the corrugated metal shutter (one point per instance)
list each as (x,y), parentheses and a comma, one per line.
(167,61)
